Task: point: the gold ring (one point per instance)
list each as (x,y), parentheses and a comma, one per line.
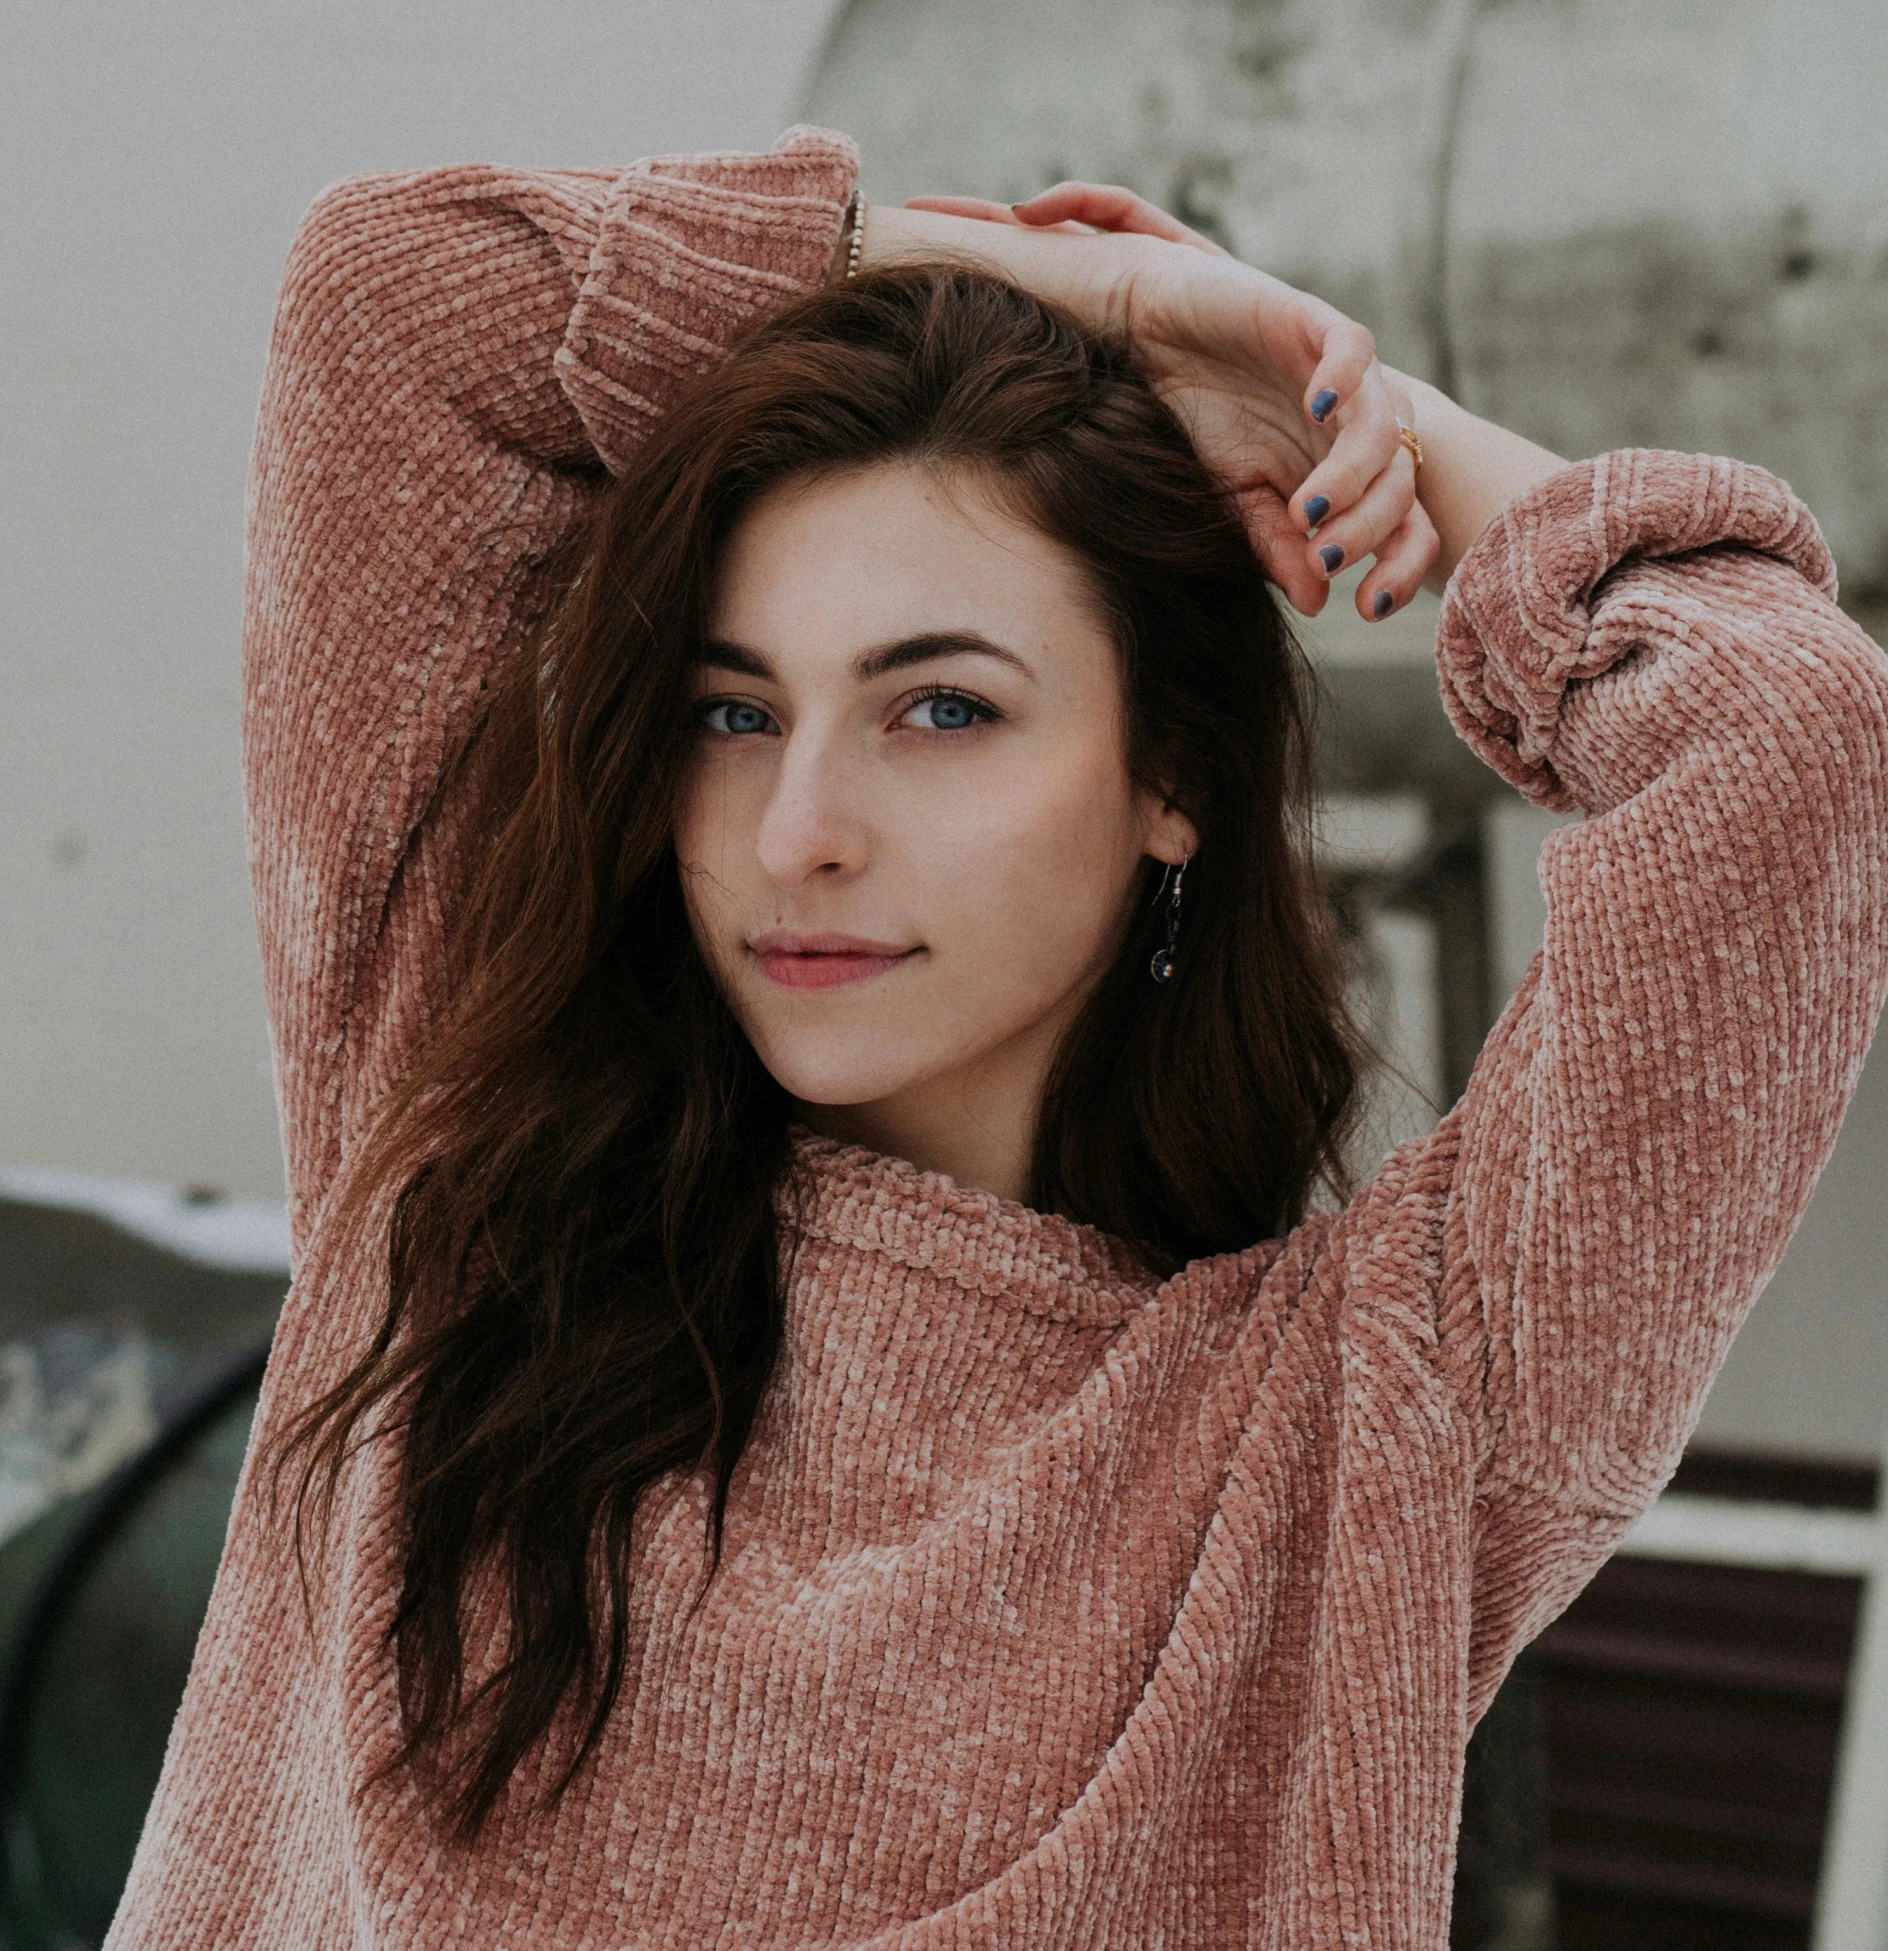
(1407,435)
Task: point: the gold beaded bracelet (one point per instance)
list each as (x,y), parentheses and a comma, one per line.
(858,234)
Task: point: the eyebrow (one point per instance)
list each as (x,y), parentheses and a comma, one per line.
(899,655)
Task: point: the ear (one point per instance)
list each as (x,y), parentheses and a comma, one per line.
(1168,835)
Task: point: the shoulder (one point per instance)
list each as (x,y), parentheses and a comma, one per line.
(1382,1253)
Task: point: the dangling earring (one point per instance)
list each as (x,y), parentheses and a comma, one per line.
(1161,968)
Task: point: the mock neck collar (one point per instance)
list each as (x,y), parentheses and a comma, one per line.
(992,1246)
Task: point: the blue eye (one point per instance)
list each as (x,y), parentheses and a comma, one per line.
(950,711)
(731,715)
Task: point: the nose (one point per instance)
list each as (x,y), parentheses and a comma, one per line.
(812,824)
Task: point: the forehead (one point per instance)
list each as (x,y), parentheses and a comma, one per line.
(820,568)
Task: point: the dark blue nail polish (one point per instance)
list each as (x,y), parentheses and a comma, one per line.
(1316,509)
(1332,557)
(1383,602)
(1323,404)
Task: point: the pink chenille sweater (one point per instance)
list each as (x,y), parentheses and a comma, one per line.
(1061,1607)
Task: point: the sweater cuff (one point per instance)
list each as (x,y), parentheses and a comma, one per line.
(1518,614)
(690,252)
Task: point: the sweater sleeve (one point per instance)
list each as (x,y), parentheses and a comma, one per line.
(460,359)
(1651,640)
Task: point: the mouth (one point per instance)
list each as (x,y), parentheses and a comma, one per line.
(825,961)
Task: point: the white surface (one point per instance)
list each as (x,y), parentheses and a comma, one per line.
(238,1235)
(1771,1537)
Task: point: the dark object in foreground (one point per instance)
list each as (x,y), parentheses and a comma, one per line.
(1693,1716)
(100,1604)
(1504,1891)
(102,1596)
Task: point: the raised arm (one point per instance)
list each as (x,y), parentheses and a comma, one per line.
(459,359)
(1651,639)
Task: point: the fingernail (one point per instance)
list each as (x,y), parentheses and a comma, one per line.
(1316,509)
(1383,603)
(1323,404)
(1332,557)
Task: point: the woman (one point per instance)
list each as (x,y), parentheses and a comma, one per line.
(814,1403)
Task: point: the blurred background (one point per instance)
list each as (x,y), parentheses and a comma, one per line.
(1604,222)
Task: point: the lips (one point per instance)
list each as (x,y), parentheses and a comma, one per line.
(825,961)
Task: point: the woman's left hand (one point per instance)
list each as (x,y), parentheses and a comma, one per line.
(1282,394)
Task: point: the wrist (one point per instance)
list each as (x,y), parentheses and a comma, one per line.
(1472,469)
(894,235)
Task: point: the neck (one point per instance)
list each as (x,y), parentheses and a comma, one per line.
(978,1125)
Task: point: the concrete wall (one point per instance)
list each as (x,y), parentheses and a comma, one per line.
(156,159)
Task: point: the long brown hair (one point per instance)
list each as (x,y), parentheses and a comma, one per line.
(584,1258)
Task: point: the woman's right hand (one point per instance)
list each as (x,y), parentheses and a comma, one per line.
(1283,395)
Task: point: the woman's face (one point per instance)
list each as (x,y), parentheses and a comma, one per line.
(908,838)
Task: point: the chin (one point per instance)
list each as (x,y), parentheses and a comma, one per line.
(842,1084)
(844,1070)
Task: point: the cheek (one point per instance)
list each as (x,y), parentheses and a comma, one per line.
(1030,880)
(707,810)
(711,843)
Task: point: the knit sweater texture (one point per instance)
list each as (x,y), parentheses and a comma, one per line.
(1061,1606)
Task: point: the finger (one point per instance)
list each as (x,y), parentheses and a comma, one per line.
(1280,546)
(1107,206)
(1368,524)
(1366,442)
(979,207)
(1403,561)
(1345,361)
